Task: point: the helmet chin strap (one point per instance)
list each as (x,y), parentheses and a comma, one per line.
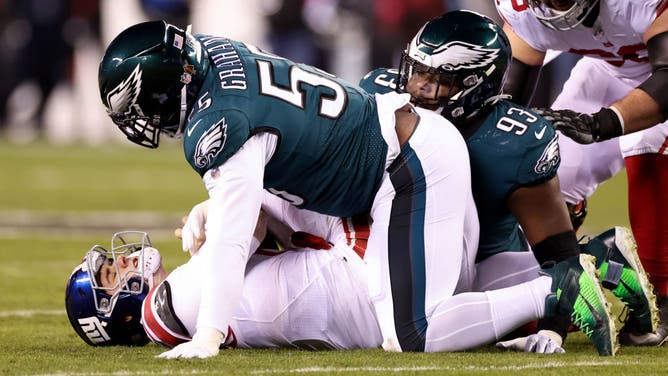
(184,99)
(184,108)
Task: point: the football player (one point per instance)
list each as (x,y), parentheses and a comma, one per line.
(105,292)
(456,66)
(251,120)
(617,88)
(304,298)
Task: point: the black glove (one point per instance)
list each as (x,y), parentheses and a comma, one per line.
(584,128)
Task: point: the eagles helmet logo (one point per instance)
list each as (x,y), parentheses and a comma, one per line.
(210,144)
(123,97)
(458,55)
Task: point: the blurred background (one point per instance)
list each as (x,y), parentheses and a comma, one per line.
(51,49)
(68,177)
(65,166)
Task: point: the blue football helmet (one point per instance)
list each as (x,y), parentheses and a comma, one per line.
(111,315)
(562,15)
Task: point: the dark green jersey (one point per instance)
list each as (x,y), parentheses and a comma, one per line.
(330,155)
(509,148)
(380,81)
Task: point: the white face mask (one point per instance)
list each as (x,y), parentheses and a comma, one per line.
(562,19)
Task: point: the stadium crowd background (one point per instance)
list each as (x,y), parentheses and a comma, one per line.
(50,49)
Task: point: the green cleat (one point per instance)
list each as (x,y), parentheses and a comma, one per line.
(622,273)
(577,292)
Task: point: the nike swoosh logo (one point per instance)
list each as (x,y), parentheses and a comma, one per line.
(597,316)
(190,130)
(539,135)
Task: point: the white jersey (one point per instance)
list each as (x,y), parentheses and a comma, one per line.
(616,37)
(312,299)
(615,62)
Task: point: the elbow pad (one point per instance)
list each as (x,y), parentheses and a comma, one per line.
(521,81)
(657,84)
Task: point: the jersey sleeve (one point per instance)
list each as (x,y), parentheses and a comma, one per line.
(541,159)
(514,148)
(380,81)
(169,312)
(212,137)
(235,191)
(517,15)
(159,318)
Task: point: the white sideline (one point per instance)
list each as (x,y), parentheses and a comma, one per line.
(441,368)
(318,370)
(31,312)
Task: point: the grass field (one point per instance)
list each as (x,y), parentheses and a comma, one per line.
(56,202)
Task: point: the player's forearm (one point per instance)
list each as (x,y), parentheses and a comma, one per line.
(639,111)
(226,252)
(235,192)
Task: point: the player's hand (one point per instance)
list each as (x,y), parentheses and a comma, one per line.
(193,232)
(204,344)
(543,342)
(585,128)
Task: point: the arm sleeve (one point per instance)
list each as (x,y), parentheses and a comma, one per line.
(235,190)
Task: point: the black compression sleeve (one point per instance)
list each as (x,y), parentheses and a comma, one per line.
(557,247)
(657,84)
(521,81)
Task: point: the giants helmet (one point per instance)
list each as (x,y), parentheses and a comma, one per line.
(469,53)
(573,14)
(111,315)
(149,78)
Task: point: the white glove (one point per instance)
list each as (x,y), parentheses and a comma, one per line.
(204,344)
(193,232)
(543,342)
(152,262)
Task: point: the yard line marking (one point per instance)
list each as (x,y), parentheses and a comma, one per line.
(443,368)
(124,373)
(357,369)
(31,312)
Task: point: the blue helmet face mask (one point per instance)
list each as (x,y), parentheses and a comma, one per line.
(106,310)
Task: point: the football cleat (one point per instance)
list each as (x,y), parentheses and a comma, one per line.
(576,291)
(630,336)
(622,273)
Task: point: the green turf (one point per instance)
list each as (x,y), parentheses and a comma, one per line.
(43,177)
(35,336)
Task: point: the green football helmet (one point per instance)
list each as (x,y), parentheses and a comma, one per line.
(468,52)
(562,15)
(149,78)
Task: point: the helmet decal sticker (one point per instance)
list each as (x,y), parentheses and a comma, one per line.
(178,42)
(549,158)
(123,97)
(94,329)
(461,55)
(210,144)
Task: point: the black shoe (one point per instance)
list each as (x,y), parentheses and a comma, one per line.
(629,335)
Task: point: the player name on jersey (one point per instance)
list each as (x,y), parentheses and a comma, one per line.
(226,59)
